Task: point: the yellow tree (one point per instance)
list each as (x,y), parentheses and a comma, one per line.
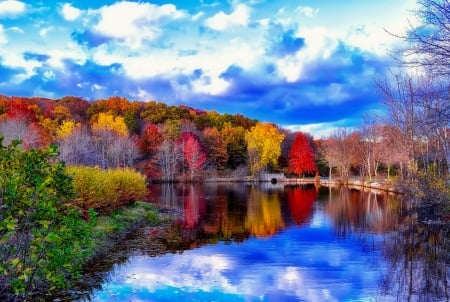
(66,129)
(263,146)
(109,122)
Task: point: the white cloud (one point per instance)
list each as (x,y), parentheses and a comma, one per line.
(11,8)
(69,12)
(3,39)
(221,21)
(319,130)
(134,22)
(44,31)
(307,11)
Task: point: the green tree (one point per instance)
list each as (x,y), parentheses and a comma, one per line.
(43,239)
(234,138)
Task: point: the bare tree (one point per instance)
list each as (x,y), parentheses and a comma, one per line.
(16,129)
(168,157)
(78,148)
(428,44)
(419,108)
(339,152)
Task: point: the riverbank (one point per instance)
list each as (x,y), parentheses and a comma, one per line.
(380,185)
(111,234)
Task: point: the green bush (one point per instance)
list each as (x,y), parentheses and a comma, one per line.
(107,190)
(43,239)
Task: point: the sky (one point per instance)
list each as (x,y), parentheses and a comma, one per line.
(303,64)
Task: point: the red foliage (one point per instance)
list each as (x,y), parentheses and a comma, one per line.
(193,150)
(150,140)
(301,201)
(20,110)
(194,207)
(77,106)
(301,156)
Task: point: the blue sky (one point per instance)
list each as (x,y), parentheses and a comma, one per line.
(303,64)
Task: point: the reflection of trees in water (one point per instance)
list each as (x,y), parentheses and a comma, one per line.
(418,257)
(301,202)
(263,213)
(194,205)
(353,209)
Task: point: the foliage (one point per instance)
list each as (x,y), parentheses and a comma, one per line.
(263,145)
(216,148)
(234,138)
(66,129)
(106,190)
(131,122)
(43,238)
(109,122)
(193,150)
(301,156)
(150,140)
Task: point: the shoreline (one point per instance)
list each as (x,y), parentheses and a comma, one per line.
(361,184)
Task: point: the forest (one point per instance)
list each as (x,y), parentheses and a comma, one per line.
(179,143)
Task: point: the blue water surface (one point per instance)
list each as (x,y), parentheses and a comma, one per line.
(307,262)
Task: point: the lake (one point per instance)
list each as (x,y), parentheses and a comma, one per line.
(269,242)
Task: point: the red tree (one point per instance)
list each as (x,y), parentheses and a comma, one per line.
(301,156)
(150,140)
(193,150)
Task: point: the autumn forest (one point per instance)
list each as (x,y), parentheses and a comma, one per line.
(181,143)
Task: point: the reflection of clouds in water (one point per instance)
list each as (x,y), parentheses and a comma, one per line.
(319,220)
(187,271)
(294,264)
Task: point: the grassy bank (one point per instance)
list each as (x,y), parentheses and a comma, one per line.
(117,224)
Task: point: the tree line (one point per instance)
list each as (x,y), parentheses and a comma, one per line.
(169,142)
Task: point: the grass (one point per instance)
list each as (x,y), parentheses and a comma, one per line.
(120,222)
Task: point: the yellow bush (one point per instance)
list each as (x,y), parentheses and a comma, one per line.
(107,190)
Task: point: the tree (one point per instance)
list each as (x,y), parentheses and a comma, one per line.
(418,107)
(216,148)
(193,150)
(109,122)
(301,156)
(429,43)
(66,129)
(131,121)
(150,140)
(114,150)
(78,148)
(168,156)
(263,145)
(234,138)
(44,241)
(338,152)
(28,134)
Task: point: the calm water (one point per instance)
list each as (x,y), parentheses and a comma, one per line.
(273,243)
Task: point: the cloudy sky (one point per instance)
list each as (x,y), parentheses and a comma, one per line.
(307,63)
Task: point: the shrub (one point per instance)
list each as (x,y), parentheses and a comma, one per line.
(43,239)
(107,190)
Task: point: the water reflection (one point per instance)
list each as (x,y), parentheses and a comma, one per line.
(298,243)
(418,258)
(364,211)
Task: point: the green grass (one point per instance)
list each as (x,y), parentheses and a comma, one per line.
(122,221)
